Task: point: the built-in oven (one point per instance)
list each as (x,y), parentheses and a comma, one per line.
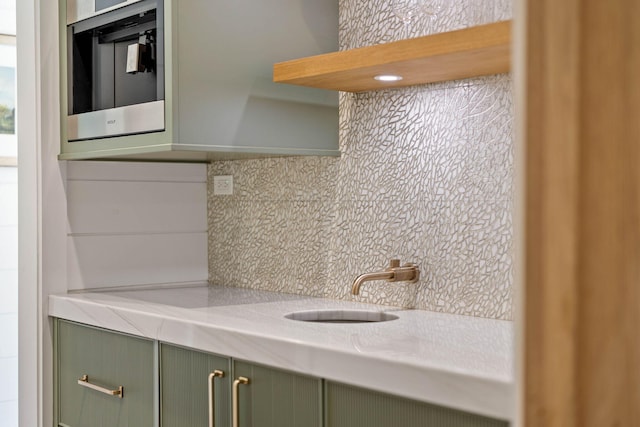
(115,68)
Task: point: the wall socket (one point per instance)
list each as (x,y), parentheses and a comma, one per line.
(223,185)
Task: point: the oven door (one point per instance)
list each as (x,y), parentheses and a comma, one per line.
(115,71)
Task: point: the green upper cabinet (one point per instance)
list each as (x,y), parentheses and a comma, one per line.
(210,80)
(106,361)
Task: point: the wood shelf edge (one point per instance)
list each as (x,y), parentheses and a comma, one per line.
(453,55)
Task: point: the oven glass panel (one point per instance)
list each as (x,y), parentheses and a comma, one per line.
(114,63)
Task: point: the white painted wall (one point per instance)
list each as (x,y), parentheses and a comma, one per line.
(9,296)
(41,205)
(8,247)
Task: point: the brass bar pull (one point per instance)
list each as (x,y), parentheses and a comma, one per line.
(212,375)
(234,397)
(84,381)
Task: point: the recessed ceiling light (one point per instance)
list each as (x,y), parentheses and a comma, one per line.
(388,78)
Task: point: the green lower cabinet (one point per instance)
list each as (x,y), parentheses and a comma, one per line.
(256,395)
(348,406)
(185,376)
(276,398)
(267,397)
(109,361)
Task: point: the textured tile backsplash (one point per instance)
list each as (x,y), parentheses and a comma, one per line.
(426,175)
(273,232)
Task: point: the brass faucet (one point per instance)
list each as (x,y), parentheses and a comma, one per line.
(394,273)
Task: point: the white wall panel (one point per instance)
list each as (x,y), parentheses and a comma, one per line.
(136,207)
(136,223)
(137,171)
(129,260)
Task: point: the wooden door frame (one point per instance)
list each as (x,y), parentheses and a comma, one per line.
(581,346)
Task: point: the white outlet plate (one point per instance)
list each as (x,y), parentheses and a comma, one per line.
(223,185)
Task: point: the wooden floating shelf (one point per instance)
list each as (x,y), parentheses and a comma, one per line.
(472,52)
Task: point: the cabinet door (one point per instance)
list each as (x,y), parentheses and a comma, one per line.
(347,406)
(109,360)
(275,398)
(184,388)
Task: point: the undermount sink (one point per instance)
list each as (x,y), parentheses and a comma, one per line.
(341,316)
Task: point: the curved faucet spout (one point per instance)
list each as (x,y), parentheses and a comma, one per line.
(382,275)
(395,273)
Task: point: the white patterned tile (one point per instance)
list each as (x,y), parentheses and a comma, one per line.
(426,175)
(275,246)
(503,10)
(489,175)
(286,178)
(370,22)
(472,265)
(373,233)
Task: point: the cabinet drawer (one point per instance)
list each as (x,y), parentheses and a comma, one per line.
(109,360)
(347,406)
(184,387)
(276,398)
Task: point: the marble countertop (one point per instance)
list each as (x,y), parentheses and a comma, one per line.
(456,361)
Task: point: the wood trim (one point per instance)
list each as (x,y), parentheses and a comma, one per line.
(582,273)
(552,155)
(453,55)
(609,315)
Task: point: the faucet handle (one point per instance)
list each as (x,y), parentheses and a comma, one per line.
(408,272)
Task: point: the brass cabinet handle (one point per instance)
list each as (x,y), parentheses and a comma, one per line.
(84,381)
(236,385)
(212,375)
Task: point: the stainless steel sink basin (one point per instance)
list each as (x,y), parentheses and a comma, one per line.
(341,316)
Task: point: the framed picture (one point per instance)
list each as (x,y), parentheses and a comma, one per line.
(7,100)
(8,138)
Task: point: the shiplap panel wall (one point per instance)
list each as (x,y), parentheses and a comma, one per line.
(135,223)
